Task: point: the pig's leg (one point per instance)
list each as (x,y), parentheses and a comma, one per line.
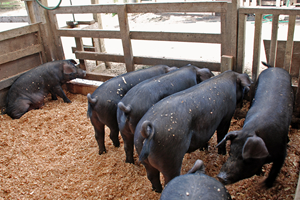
(59,91)
(128,146)
(277,164)
(21,106)
(114,132)
(171,173)
(99,133)
(53,96)
(153,176)
(221,132)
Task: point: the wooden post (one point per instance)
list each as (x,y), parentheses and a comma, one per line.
(256,48)
(273,45)
(226,63)
(58,53)
(241,43)
(232,30)
(38,14)
(99,42)
(125,36)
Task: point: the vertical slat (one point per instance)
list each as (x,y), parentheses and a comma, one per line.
(256,48)
(289,43)
(99,42)
(58,53)
(278,3)
(241,43)
(232,29)
(29,8)
(247,3)
(79,47)
(224,46)
(273,45)
(125,36)
(43,56)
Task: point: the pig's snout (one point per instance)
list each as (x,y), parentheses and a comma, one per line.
(84,73)
(222,177)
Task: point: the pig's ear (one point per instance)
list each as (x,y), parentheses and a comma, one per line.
(229,136)
(169,69)
(72,61)
(244,80)
(204,73)
(68,69)
(254,147)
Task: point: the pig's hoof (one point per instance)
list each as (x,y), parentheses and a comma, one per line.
(158,190)
(102,151)
(67,101)
(268,184)
(117,144)
(221,152)
(131,161)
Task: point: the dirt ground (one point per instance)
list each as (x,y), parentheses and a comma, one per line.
(51,153)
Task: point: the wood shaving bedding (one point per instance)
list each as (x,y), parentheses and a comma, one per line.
(51,153)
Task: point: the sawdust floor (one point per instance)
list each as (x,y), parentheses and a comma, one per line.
(51,153)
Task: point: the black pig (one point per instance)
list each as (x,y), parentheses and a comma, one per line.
(29,90)
(102,104)
(184,122)
(195,185)
(264,136)
(145,94)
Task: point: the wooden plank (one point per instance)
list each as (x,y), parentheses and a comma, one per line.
(232,30)
(273,48)
(57,53)
(176,62)
(19,32)
(79,47)
(9,81)
(18,43)
(99,56)
(270,10)
(241,43)
(98,43)
(146,60)
(18,66)
(289,43)
(256,48)
(125,36)
(145,8)
(224,46)
(107,8)
(11,19)
(20,53)
(78,88)
(89,33)
(98,76)
(171,36)
(177,7)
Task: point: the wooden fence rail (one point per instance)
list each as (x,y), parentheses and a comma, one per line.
(126,35)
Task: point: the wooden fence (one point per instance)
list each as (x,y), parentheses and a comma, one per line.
(21,50)
(288,58)
(226,38)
